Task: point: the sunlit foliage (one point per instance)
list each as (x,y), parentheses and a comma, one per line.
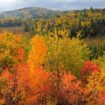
(66,53)
(49,70)
(96,88)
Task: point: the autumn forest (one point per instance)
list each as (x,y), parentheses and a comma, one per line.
(53,60)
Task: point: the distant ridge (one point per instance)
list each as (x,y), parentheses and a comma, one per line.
(30,12)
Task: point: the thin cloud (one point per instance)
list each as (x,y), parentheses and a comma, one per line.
(52,4)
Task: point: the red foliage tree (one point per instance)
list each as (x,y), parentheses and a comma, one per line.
(90,67)
(70,89)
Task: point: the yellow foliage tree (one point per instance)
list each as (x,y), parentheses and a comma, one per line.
(9,46)
(96,87)
(69,54)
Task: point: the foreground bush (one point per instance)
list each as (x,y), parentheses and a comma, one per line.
(52,74)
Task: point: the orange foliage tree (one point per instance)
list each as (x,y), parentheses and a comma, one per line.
(38,76)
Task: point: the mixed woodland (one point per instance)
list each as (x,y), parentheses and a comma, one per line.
(53,61)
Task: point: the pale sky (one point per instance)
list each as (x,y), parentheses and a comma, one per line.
(6,5)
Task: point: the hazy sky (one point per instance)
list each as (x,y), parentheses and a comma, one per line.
(53,4)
